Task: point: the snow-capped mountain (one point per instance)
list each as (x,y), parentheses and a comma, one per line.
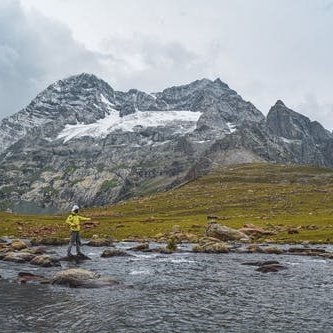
(81,141)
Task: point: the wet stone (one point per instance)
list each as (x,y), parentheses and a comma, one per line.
(26,277)
(82,278)
(107,253)
(45,261)
(271,268)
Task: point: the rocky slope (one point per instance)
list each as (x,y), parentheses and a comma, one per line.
(81,141)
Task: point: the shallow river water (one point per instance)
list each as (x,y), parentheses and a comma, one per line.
(183,292)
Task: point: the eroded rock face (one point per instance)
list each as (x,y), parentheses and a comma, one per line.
(81,278)
(225,233)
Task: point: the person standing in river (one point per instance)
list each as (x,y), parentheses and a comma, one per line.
(73,221)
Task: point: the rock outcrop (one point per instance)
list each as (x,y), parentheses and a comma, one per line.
(225,233)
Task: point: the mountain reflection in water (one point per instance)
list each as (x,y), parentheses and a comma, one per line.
(185,292)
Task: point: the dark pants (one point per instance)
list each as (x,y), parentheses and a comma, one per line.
(75,239)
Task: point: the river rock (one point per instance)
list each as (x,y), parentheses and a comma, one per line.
(50,241)
(35,250)
(4,251)
(255,232)
(75,258)
(107,253)
(273,250)
(327,255)
(18,257)
(261,263)
(306,251)
(140,247)
(270,268)
(24,277)
(77,277)
(225,233)
(18,245)
(96,242)
(45,261)
(217,247)
(254,248)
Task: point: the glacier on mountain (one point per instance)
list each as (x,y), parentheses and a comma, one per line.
(182,121)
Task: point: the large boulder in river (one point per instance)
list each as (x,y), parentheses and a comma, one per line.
(225,233)
(78,277)
(18,257)
(18,245)
(45,261)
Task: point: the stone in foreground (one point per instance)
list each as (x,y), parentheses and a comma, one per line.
(45,261)
(107,253)
(82,278)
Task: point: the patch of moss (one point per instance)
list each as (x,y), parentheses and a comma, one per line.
(109,184)
(70,169)
(7,189)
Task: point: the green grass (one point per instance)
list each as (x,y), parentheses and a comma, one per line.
(274,197)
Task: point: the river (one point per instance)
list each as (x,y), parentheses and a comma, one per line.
(182,292)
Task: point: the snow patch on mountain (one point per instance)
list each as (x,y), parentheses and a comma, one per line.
(105,100)
(232,127)
(182,122)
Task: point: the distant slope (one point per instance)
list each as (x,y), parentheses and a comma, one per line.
(275,197)
(266,195)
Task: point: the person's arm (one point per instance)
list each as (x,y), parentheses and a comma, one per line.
(82,218)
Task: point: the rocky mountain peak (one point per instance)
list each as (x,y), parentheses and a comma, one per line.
(279,103)
(221,83)
(291,125)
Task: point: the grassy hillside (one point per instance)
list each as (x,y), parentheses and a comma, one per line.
(274,197)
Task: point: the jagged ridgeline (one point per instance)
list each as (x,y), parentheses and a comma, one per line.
(81,141)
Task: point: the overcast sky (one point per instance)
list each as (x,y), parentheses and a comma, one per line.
(264,49)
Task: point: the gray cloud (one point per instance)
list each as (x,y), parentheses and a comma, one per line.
(34,52)
(315,110)
(149,64)
(266,50)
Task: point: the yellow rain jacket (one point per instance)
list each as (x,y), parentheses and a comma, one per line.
(73,220)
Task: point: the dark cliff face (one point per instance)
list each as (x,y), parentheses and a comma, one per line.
(63,149)
(286,123)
